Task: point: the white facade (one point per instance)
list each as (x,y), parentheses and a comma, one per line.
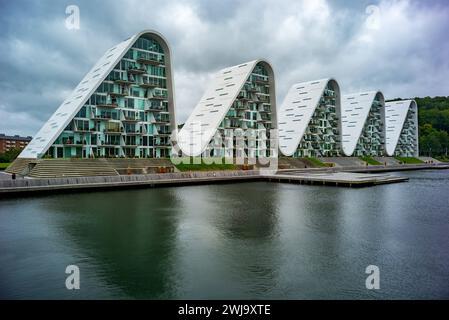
(224,91)
(51,130)
(401,121)
(308,104)
(363,129)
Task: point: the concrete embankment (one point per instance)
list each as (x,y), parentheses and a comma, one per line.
(23,186)
(372,168)
(336,176)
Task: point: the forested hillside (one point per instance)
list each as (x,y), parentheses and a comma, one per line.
(433,121)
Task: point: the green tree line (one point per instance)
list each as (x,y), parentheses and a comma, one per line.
(433,119)
(9,156)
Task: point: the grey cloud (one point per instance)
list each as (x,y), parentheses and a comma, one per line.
(405,54)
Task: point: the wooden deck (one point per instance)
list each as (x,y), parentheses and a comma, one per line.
(343,179)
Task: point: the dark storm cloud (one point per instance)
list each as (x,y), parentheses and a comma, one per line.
(400,47)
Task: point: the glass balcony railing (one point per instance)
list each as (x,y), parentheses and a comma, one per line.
(159,96)
(155,107)
(148,58)
(137,69)
(119,93)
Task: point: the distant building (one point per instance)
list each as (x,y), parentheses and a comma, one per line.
(11,142)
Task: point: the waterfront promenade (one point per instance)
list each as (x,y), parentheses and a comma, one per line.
(336,176)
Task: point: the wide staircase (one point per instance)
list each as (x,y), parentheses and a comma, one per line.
(344,161)
(389,161)
(59,168)
(20,166)
(294,163)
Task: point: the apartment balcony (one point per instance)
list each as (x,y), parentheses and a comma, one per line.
(132,132)
(111,105)
(162,143)
(234,116)
(264,117)
(158,97)
(164,133)
(260,80)
(120,93)
(161,120)
(150,59)
(137,70)
(316,145)
(330,109)
(243,96)
(329,93)
(113,130)
(149,83)
(233,125)
(103,117)
(74,143)
(251,89)
(265,109)
(109,144)
(240,106)
(122,81)
(130,119)
(155,108)
(86,130)
(263,98)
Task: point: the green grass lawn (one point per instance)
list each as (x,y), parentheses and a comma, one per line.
(206,167)
(3,166)
(409,160)
(442,159)
(315,162)
(371,161)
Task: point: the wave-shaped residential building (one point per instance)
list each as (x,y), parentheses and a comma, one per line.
(362,120)
(309,120)
(123,107)
(401,135)
(235,115)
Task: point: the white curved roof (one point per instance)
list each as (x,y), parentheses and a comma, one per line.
(296,112)
(395,116)
(51,130)
(210,111)
(354,114)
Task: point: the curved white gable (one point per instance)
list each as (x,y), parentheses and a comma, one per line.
(296,111)
(354,114)
(395,116)
(51,130)
(206,117)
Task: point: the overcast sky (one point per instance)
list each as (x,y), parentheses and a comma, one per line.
(399,47)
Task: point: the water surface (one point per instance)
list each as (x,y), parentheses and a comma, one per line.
(248,240)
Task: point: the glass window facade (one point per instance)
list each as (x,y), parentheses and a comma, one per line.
(128,114)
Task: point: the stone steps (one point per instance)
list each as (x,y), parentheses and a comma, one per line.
(57,168)
(19,166)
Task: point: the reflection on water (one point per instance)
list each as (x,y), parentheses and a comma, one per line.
(248,240)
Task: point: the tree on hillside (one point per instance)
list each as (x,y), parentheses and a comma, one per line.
(10,156)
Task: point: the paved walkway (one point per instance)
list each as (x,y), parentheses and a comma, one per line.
(7,176)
